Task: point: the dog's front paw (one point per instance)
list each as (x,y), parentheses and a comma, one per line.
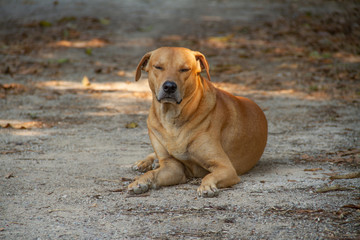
(138,188)
(145,165)
(143,184)
(208,191)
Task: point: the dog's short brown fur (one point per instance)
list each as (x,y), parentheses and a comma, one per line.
(196,130)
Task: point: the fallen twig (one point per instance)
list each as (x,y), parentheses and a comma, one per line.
(312,169)
(117,190)
(351,206)
(346,176)
(331,188)
(59,210)
(137,195)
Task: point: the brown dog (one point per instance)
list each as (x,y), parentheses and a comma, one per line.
(196,130)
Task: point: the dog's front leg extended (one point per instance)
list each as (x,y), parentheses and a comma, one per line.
(170,172)
(220,177)
(211,156)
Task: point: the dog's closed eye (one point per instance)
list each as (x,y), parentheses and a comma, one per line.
(158,67)
(184,69)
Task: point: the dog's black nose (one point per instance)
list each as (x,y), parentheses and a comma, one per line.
(169,87)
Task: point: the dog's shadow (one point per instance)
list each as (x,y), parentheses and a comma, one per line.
(265,167)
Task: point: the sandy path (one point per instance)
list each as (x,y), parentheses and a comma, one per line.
(65,153)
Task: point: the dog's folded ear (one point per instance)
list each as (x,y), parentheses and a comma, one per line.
(142,64)
(203,63)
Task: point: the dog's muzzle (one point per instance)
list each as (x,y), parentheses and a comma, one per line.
(169,93)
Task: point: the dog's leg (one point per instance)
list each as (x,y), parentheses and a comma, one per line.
(220,177)
(210,155)
(147,164)
(170,172)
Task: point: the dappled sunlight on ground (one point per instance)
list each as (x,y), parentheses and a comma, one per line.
(140,86)
(239,90)
(347,57)
(21,124)
(80,44)
(141,89)
(29,133)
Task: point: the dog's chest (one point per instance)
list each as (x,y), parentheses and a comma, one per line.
(179,152)
(177,145)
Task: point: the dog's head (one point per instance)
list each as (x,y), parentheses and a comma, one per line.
(172,72)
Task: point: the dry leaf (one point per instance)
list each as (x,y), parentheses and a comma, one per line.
(123,179)
(288,66)
(88,51)
(10,175)
(34,69)
(131,125)
(349,152)
(306,157)
(104,21)
(45,23)
(98,70)
(85,81)
(15,88)
(62,60)
(121,73)
(222,39)
(340,157)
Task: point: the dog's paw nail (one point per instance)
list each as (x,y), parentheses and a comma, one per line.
(137,190)
(135,168)
(143,187)
(211,194)
(155,165)
(130,191)
(215,191)
(208,193)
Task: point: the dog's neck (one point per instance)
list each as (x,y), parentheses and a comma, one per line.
(169,112)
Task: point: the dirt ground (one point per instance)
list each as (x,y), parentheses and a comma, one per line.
(69,107)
